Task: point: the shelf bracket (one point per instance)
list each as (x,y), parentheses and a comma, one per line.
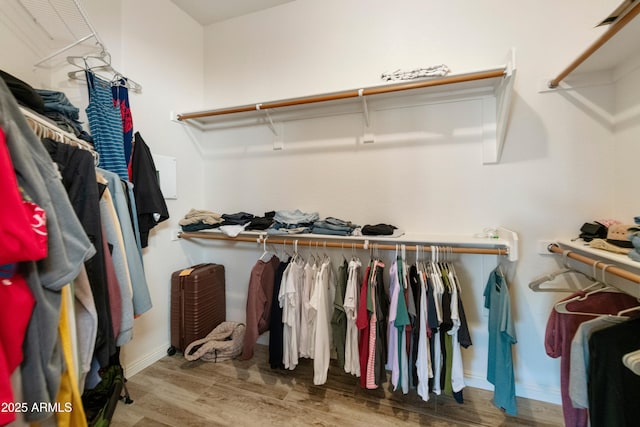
(367,133)
(512,242)
(269,119)
(496,113)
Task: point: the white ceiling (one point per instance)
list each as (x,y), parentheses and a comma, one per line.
(209,11)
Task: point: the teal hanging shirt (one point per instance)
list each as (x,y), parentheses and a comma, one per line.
(502,336)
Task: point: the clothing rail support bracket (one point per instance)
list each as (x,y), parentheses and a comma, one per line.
(277,140)
(269,119)
(367,133)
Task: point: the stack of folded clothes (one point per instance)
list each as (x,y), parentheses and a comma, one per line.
(196,220)
(333,226)
(378,230)
(58,108)
(235,223)
(293,222)
(261,223)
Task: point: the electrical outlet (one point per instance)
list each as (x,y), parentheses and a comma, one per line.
(543,247)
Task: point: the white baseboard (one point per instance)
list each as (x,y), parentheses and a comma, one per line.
(147,360)
(535,392)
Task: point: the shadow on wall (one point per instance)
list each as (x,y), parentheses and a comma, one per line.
(421,125)
(527,138)
(596,101)
(417,125)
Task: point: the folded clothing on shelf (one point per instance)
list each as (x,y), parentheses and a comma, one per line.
(238,218)
(378,230)
(198,219)
(333,226)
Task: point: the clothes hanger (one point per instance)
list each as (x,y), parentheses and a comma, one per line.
(296,255)
(104,65)
(562,306)
(265,251)
(621,313)
(536,284)
(44,129)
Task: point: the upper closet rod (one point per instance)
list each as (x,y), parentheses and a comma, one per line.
(613,30)
(348,94)
(617,271)
(329,244)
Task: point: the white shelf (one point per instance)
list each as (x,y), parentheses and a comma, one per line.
(494,86)
(621,260)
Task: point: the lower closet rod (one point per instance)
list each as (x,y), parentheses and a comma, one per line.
(617,271)
(344,245)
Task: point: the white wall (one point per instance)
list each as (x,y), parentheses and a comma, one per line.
(626,148)
(554,150)
(162,51)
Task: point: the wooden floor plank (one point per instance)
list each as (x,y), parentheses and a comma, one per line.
(176,392)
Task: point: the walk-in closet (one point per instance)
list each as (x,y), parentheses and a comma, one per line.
(415,212)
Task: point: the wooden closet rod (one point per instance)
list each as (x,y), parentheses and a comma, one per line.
(347,94)
(617,271)
(345,245)
(613,30)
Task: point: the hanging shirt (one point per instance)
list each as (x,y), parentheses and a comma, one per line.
(580,357)
(401,323)
(502,336)
(393,364)
(140,289)
(457,370)
(68,397)
(381,304)
(120,93)
(150,203)
(614,390)
(362,322)
(321,303)
(20,241)
(338,318)
(105,123)
(414,316)
(423,361)
(16,304)
(259,299)
(561,329)
(276,328)
(438,356)
(305,326)
(351,359)
(291,312)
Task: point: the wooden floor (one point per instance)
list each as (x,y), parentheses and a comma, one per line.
(175,392)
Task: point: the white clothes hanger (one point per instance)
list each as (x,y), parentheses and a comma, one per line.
(628,310)
(103,65)
(561,307)
(265,252)
(536,284)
